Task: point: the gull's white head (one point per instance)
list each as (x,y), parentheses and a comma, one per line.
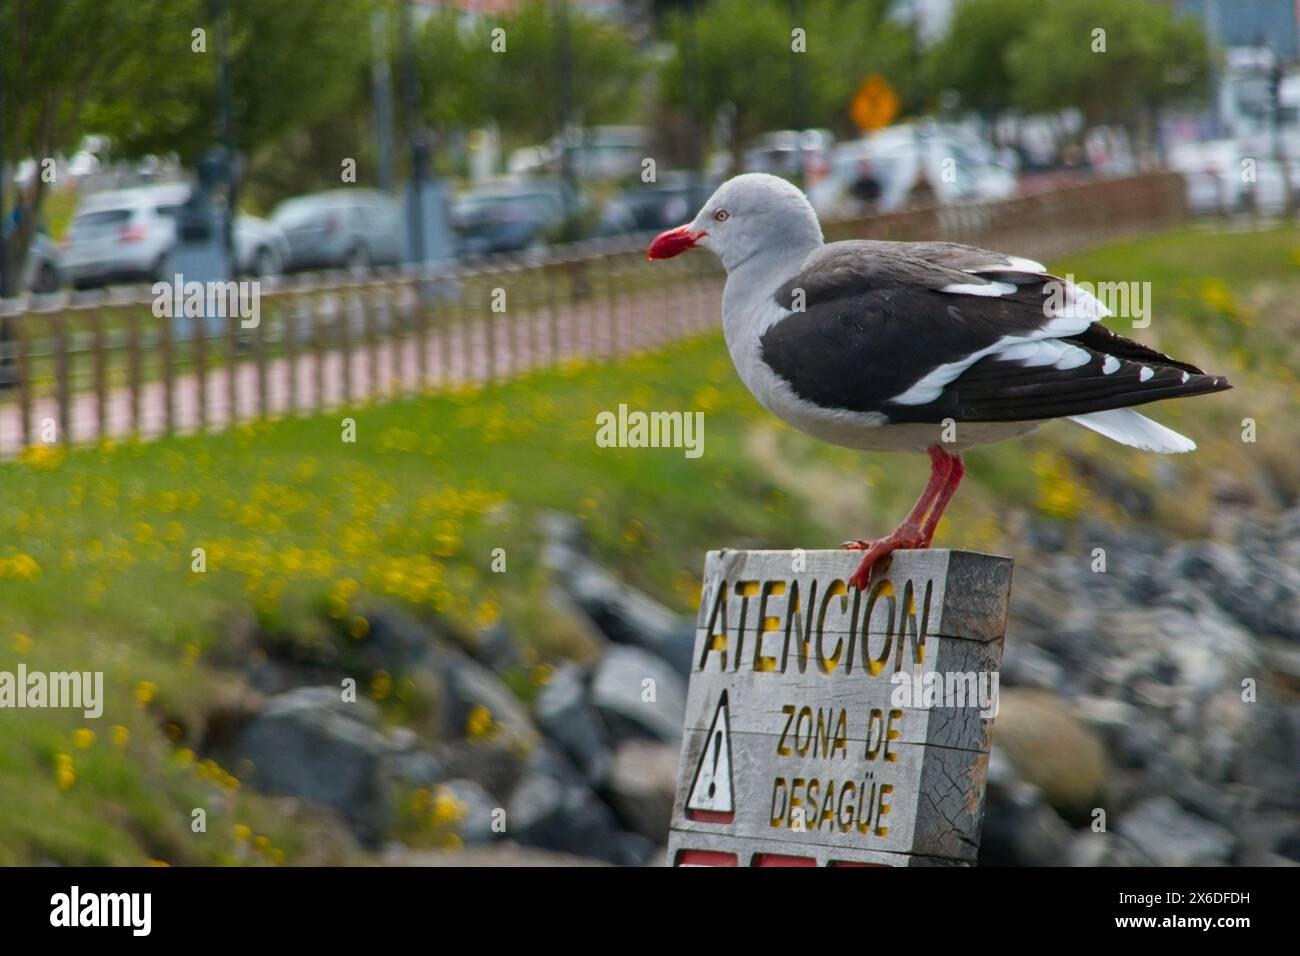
(747,216)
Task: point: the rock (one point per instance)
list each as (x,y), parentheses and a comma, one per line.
(565,715)
(554,809)
(417,768)
(1089,848)
(1052,750)
(1170,836)
(642,785)
(1131,740)
(1269,754)
(476,702)
(1027,665)
(498,649)
(619,690)
(309,743)
(1289,847)
(620,611)
(502,853)
(1253,587)
(475,810)
(395,639)
(496,765)
(1020,829)
(563,536)
(628,616)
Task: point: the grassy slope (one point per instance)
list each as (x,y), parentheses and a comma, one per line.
(300,527)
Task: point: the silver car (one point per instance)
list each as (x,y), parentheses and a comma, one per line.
(341,228)
(129,234)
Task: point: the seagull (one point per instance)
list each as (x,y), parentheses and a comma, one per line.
(917,346)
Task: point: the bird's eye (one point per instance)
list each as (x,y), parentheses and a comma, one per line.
(721,215)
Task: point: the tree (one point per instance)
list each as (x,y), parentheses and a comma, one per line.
(144,73)
(291,65)
(59,62)
(1116,61)
(972,57)
(471,74)
(746,61)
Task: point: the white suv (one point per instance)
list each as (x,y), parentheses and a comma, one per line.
(130,233)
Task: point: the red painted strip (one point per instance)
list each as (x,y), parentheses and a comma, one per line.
(705,858)
(852,863)
(776,859)
(710,816)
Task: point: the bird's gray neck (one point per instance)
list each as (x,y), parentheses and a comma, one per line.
(752,283)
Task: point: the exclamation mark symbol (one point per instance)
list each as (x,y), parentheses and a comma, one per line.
(717,752)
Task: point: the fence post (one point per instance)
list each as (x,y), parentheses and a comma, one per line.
(133,365)
(259,359)
(232,370)
(23,374)
(367,305)
(168,374)
(845,715)
(99,364)
(290,319)
(345,347)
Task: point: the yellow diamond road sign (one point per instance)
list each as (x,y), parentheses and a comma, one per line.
(875,104)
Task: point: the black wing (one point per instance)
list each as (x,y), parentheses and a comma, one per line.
(919,333)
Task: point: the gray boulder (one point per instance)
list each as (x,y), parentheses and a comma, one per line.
(621,612)
(469,686)
(309,743)
(476,809)
(568,719)
(638,694)
(642,785)
(1170,836)
(554,809)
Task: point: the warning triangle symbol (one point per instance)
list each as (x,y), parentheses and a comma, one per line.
(711,789)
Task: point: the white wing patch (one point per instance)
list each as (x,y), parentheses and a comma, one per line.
(1051,352)
(1067,300)
(1015,264)
(971,288)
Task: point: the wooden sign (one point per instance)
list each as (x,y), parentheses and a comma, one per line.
(875,104)
(827,726)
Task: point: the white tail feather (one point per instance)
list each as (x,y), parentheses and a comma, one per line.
(1129,428)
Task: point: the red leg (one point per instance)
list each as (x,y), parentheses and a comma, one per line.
(911,533)
(941,501)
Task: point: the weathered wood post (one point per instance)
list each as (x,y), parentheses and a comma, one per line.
(830,727)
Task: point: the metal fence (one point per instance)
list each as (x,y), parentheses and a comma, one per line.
(91,367)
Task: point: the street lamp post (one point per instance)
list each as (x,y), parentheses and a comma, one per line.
(227,121)
(568,172)
(415,131)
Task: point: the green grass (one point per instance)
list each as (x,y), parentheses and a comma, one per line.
(304,534)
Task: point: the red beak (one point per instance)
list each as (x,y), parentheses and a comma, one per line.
(673,242)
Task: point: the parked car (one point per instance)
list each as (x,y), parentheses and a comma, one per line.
(511,218)
(1234,175)
(906,165)
(131,233)
(44,270)
(341,228)
(647,207)
(596,152)
(789,152)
